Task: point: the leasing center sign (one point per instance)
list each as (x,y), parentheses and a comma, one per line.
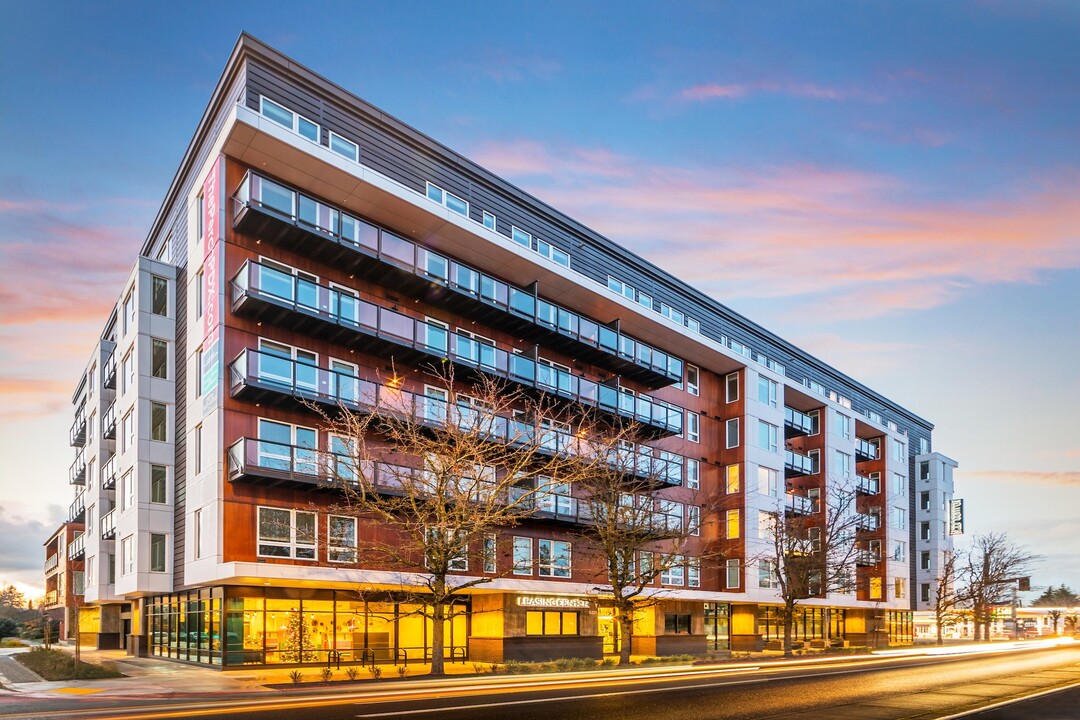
(212,208)
(553,603)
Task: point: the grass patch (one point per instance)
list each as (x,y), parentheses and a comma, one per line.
(11,643)
(59,665)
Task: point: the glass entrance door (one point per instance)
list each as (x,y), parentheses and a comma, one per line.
(716,626)
(609,630)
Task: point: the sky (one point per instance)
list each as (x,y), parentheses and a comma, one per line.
(892,186)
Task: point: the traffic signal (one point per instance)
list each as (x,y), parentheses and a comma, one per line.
(1023,584)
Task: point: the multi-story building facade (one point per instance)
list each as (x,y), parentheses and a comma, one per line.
(64,574)
(310,246)
(937,520)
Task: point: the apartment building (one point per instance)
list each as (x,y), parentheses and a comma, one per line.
(314,249)
(64,575)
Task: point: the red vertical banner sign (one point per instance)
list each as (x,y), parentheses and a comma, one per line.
(212,222)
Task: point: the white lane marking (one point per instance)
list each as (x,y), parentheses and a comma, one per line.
(587,696)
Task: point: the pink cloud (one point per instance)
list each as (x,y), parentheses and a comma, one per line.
(1067,478)
(716,91)
(711,91)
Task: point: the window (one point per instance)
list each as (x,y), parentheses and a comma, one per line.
(159,422)
(899,551)
(733,519)
(159,299)
(341,538)
(199,280)
(768,482)
(732,479)
(924,592)
(732,427)
(197,522)
(489,220)
(899,518)
(731,387)
(127,491)
(645,301)
(766,391)
(553,253)
(899,485)
(924,446)
(523,556)
(924,560)
(693,572)
(157,553)
(489,553)
(897,447)
(673,572)
(900,587)
(676,623)
(731,571)
(197,449)
(693,380)
(693,520)
(693,426)
(768,436)
(924,471)
(545,622)
(158,480)
(924,530)
(90,518)
(111,570)
(287,119)
(553,558)
(127,555)
(287,533)
(91,563)
(521,237)
(669,515)
(924,500)
(841,464)
(344,148)
(693,474)
(766,573)
(843,424)
(766,524)
(159,358)
(127,431)
(129,311)
(127,372)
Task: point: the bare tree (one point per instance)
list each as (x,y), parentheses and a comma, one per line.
(988,576)
(436,476)
(1055,615)
(946,596)
(643,523)
(811,551)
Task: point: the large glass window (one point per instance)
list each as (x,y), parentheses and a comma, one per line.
(158,480)
(341,538)
(159,358)
(554,558)
(766,391)
(157,553)
(523,556)
(159,422)
(733,484)
(159,301)
(732,524)
(731,385)
(768,436)
(731,571)
(768,482)
(287,533)
(551,623)
(732,427)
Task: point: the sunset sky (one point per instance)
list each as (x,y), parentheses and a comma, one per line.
(894,187)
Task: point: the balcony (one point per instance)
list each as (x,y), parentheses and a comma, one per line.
(108,423)
(798,504)
(108,474)
(108,373)
(77,473)
(295,466)
(77,434)
(556,507)
(51,598)
(276,380)
(867,558)
(268,294)
(796,464)
(867,485)
(280,215)
(867,521)
(865,450)
(797,423)
(77,509)
(77,548)
(52,562)
(108,525)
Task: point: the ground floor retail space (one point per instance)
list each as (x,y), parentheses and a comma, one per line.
(248,626)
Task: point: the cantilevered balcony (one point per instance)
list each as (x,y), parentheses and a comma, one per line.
(108,423)
(77,509)
(867,485)
(865,450)
(77,434)
(556,507)
(108,474)
(52,562)
(277,214)
(867,558)
(108,373)
(272,379)
(868,522)
(796,464)
(77,548)
(108,525)
(797,423)
(270,295)
(798,504)
(77,473)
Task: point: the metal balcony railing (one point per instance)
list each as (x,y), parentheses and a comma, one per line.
(797,423)
(865,449)
(867,485)
(77,473)
(51,562)
(108,474)
(108,423)
(108,373)
(798,504)
(868,522)
(77,509)
(798,464)
(77,548)
(77,434)
(108,525)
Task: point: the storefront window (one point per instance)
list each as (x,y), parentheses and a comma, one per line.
(551,623)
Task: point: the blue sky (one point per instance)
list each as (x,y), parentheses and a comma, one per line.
(892,186)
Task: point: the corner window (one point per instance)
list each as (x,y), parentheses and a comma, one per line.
(157,553)
(159,475)
(159,358)
(767,391)
(159,301)
(731,385)
(159,422)
(287,533)
(732,427)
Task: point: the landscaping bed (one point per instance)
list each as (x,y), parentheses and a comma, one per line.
(59,665)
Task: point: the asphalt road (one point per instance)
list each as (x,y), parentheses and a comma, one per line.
(918,687)
(1060,705)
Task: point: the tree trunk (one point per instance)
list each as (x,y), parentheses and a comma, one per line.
(626,632)
(789,618)
(438,615)
(940,631)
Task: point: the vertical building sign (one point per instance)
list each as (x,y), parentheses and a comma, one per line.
(212,222)
(956,517)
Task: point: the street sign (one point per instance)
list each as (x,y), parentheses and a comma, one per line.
(956,517)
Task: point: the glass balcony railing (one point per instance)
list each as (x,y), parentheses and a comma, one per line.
(77,473)
(797,423)
(77,509)
(77,548)
(108,423)
(867,558)
(108,525)
(108,474)
(108,373)
(355,235)
(866,449)
(798,504)
(311,300)
(77,434)
(561,507)
(868,522)
(798,464)
(867,485)
(256,370)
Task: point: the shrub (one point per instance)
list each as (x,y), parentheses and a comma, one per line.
(58,665)
(609,662)
(8,627)
(296,676)
(351,673)
(402,671)
(376,672)
(327,674)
